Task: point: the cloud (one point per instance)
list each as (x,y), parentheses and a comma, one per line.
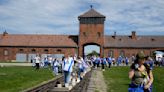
(60,16)
(139,14)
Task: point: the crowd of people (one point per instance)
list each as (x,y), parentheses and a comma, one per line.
(108,61)
(94,61)
(70,66)
(76,67)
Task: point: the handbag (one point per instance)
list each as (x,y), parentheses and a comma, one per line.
(135,88)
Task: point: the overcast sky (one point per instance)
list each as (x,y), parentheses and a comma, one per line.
(146,17)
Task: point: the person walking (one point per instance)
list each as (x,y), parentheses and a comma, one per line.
(50,60)
(37,62)
(55,66)
(93,59)
(98,60)
(80,67)
(149,61)
(126,61)
(113,61)
(141,75)
(119,60)
(103,62)
(109,60)
(67,68)
(45,61)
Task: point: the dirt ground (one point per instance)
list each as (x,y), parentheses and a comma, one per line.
(97,83)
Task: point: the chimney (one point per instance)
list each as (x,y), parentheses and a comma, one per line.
(5,33)
(114,36)
(133,34)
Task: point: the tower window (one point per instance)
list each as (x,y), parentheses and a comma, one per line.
(99,34)
(92,20)
(152,39)
(84,33)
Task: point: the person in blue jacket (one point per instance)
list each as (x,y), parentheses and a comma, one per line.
(109,60)
(103,62)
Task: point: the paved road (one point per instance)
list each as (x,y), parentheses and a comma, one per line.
(15,64)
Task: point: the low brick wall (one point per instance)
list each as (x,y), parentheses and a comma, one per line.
(83,84)
(44,87)
(47,86)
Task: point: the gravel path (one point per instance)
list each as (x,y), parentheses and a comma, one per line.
(97,83)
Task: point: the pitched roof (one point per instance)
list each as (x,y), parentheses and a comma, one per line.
(37,40)
(68,41)
(92,13)
(140,41)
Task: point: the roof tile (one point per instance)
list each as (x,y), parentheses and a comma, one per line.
(37,40)
(140,41)
(92,13)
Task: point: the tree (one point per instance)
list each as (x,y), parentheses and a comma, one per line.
(93,53)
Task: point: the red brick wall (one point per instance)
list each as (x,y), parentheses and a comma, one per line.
(129,51)
(12,51)
(70,51)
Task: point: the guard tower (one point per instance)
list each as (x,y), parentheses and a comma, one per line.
(91,30)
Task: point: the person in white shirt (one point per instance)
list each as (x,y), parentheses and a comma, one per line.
(37,61)
(55,66)
(80,69)
(67,68)
(50,59)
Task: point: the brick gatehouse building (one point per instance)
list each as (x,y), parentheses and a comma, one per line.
(23,47)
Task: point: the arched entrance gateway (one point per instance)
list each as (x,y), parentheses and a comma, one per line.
(91,48)
(91,31)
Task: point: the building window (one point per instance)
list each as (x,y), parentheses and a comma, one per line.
(151,53)
(111,53)
(152,39)
(59,50)
(46,50)
(6,52)
(21,50)
(33,50)
(122,53)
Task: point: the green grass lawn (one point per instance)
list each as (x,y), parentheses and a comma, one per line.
(117,80)
(14,79)
(158,85)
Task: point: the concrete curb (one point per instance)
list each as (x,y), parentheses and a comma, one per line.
(15,64)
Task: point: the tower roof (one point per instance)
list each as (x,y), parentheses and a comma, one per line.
(92,13)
